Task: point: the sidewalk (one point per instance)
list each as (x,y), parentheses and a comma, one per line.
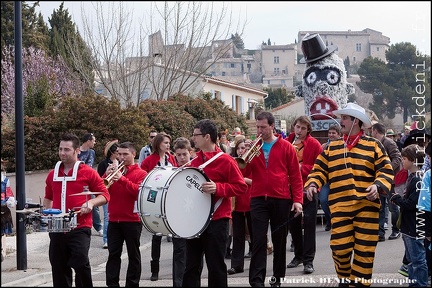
(38,267)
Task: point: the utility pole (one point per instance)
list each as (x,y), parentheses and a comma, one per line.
(19,143)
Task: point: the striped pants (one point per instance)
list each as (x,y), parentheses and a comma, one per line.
(354,237)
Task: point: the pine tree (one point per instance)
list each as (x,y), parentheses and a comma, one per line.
(66,41)
(34,29)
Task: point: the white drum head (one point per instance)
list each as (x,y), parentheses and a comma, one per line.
(187,209)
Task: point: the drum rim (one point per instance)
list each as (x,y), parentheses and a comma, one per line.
(163,202)
(211,210)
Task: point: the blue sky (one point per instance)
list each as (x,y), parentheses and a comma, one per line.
(280,21)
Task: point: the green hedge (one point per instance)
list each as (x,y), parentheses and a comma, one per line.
(107,120)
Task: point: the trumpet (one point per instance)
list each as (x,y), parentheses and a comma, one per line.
(108,181)
(253,151)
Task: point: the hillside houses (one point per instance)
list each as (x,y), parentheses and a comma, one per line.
(236,76)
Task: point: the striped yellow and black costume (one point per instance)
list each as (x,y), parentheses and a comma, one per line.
(354,218)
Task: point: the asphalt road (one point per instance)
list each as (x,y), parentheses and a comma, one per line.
(387,261)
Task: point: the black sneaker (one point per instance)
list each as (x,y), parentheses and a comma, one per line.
(328,227)
(294,263)
(403,270)
(381,239)
(308,269)
(394,235)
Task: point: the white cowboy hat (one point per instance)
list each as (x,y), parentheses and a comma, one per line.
(390,132)
(356,111)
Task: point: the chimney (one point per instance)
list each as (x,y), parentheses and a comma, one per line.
(157,58)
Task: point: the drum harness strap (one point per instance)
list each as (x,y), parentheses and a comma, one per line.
(202,166)
(64,181)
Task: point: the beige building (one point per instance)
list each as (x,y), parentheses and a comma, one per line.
(356,45)
(278,65)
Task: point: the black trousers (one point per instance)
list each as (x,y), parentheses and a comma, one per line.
(239,222)
(119,233)
(69,251)
(265,210)
(304,234)
(179,260)
(212,243)
(156,249)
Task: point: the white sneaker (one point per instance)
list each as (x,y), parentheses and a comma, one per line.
(105,246)
(100,233)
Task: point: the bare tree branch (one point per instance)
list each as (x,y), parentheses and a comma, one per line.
(186,37)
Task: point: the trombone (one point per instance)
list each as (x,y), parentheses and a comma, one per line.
(253,151)
(108,181)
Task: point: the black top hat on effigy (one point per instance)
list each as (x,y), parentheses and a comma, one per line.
(314,48)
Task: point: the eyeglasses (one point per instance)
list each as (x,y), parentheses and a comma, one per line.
(197,134)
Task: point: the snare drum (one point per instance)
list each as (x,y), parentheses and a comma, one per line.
(170,202)
(58,223)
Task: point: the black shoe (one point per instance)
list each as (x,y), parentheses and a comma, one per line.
(308,269)
(154,276)
(169,238)
(381,239)
(294,263)
(394,235)
(292,248)
(328,227)
(248,255)
(234,271)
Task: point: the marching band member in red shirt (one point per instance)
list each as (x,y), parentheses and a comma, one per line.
(276,190)
(69,250)
(226,181)
(160,157)
(124,221)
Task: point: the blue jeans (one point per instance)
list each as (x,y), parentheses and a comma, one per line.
(416,255)
(394,211)
(96,217)
(105,226)
(323,198)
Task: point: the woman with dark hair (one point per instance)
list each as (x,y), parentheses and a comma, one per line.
(241,219)
(160,157)
(111,156)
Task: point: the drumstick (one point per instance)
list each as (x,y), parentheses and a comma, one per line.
(188,162)
(202,166)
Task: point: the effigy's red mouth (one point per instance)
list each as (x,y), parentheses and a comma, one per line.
(322,108)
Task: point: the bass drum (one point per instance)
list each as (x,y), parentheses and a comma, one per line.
(170,202)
